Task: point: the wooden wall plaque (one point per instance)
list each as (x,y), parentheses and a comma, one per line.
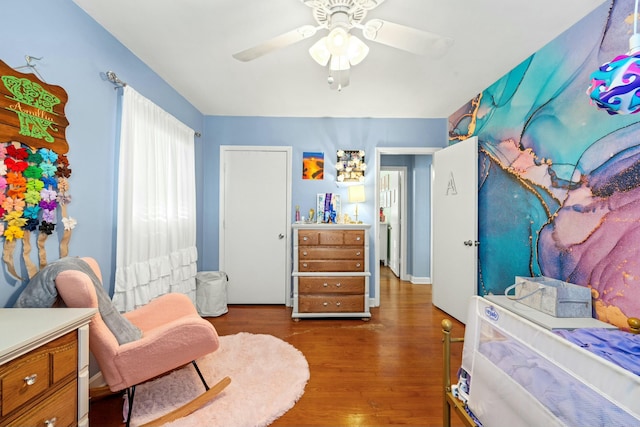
(32,111)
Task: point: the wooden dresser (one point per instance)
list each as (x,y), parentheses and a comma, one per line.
(44,366)
(331,270)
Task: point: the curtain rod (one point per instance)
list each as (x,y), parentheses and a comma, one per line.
(113,78)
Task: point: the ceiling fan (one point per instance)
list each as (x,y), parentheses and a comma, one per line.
(339,49)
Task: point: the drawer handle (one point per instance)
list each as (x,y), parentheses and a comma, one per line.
(51,422)
(304,253)
(338,284)
(305,265)
(358,253)
(305,238)
(358,238)
(325,303)
(31,379)
(338,304)
(325,285)
(358,265)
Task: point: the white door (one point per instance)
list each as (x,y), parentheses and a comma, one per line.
(455,227)
(255,220)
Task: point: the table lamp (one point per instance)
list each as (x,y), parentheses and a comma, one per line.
(356,195)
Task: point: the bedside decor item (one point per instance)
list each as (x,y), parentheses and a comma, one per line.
(328,208)
(350,166)
(356,195)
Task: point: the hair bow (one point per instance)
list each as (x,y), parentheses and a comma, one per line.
(33,172)
(64,171)
(14,218)
(47,194)
(18,153)
(34,157)
(46,227)
(13,232)
(48,169)
(49,182)
(31,224)
(16,179)
(48,205)
(31,212)
(63,185)
(48,155)
(69,223)
(49,215)
(35,185)
(11,204)
(3,150)
(17,191)
(15,165)
(63,198)
(32,196)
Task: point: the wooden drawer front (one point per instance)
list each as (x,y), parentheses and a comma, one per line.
(341,285)
(331,265)
(44,367)
(330,303)
(61,406)
(331,237)
(308,237)
(330,253)
(28,379)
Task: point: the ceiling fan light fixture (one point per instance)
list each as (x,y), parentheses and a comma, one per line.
(339,63)
(338,41)
(357,50)
(319,52)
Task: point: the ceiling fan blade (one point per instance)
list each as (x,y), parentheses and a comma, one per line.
(406,38)
(278,42)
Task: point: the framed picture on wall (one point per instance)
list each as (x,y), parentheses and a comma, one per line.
(313,165)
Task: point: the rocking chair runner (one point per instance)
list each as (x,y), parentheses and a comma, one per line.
(173,335)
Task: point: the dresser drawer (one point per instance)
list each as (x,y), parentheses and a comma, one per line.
(329,284)
(322,253)
(33,374)
(331,265)
(330,303)
(61,407)
(331,237)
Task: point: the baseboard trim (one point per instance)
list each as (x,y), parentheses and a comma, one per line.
(420,280)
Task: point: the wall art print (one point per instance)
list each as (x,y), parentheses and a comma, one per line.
(313,165)
(559,179)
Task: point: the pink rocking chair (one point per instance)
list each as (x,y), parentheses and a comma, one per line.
(173,335)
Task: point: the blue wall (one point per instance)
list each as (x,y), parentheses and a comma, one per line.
(76,52)
(309,134)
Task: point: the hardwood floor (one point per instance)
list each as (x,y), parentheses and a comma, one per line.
(381,372)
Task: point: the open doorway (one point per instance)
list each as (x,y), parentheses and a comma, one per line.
(393,219)
(407,206)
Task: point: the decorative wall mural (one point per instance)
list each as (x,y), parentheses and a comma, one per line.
(559,184)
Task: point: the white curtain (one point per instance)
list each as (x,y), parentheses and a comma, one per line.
(156,225)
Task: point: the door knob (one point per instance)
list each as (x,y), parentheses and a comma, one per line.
(468,243)
(280,236)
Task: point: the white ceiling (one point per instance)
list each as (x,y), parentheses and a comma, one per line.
(189,43)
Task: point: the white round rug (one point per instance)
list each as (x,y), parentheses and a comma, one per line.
(268,376)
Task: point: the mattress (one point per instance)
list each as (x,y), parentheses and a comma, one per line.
(522,374)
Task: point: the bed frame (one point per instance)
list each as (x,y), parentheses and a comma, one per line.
(450,401)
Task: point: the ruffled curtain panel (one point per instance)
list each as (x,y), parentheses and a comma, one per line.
(156,224)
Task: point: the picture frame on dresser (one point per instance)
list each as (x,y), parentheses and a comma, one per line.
(331,273)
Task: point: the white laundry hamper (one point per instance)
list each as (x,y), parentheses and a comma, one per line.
(211,293)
